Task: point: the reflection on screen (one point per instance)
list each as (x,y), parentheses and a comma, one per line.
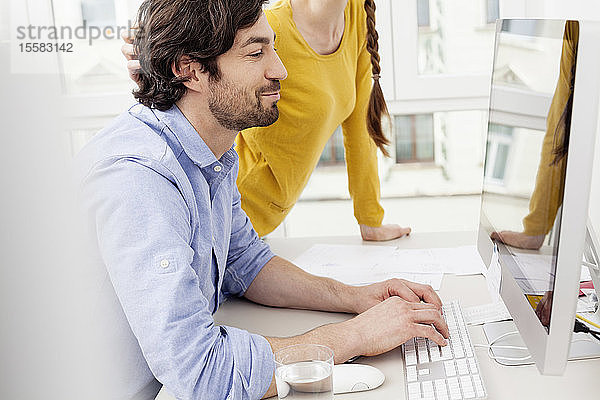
(527,142)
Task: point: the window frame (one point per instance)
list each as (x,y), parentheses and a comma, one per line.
(413,140)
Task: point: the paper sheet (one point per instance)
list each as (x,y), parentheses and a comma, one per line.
(486,313)
(359,265)
(493,277)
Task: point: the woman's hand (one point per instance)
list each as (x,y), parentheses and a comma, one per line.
(383,232)
(133,64)
(519,239)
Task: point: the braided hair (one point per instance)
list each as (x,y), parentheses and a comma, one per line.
(377,107)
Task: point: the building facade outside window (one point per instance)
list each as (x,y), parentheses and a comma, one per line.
(498,150)
(414,138)
(333,153)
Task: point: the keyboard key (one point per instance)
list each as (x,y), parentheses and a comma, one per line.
(440,389)
(424,359)
(446,353)
(411,373)
(423,356)
(461,366)
(455,394)
(427,388)
(449,367)
(473,365)
(478,386)
(414,391)
(414,387)
(459,353)
(469,351)
(467,387)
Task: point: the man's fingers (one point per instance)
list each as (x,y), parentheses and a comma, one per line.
(427,331)
(424,306)
(398,287)
(426,293)
(430,317)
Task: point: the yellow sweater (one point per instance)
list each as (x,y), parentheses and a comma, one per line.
(320,93)
(549,184)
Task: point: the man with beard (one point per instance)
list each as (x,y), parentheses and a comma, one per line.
(159,187)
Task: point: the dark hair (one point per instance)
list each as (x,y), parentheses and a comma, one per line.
(377,107)
(564,122)
(172,29)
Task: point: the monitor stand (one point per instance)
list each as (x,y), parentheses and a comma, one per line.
(582,345)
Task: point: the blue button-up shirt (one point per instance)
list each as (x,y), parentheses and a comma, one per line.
(176,244)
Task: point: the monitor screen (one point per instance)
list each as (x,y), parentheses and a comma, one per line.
(526,151)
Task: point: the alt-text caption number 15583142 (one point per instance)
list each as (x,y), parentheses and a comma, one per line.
(46,47)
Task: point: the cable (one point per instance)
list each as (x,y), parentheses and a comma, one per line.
(589,264)
(491,346)
(587,320)
(581,327)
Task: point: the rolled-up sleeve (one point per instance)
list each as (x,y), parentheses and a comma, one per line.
(142,223)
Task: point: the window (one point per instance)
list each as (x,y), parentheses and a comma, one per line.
(497,152)
(99,13)
(454,42)
(414,138)
(423,13)
(493,11)
(333,153)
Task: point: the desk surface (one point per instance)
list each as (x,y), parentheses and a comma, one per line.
(580,380)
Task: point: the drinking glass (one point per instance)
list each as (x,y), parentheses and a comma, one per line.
(304,371)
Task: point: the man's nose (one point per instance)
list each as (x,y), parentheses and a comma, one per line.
(276,70)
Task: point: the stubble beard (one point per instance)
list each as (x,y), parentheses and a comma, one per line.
(236,109)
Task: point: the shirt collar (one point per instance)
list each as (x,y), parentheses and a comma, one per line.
(191,142)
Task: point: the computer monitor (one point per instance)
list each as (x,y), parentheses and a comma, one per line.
(546,194)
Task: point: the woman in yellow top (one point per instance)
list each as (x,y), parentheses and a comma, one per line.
(329,48)
(549,184)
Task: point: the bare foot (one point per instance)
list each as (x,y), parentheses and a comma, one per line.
(519,239)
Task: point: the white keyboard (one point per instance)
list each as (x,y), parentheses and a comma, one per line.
(443,373)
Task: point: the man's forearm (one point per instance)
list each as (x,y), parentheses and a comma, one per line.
(281,284)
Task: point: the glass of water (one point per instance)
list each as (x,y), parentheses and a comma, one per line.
(304,371)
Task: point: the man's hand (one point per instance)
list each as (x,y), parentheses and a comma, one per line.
(371,295)
(519,239)
(394,321)
(381,328)
(383,232)
(133,64)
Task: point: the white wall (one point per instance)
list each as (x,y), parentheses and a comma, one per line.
(559,9)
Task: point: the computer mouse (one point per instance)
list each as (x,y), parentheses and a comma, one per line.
(355,378)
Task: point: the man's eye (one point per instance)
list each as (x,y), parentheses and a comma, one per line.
(256,55)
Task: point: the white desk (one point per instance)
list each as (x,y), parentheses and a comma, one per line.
(581,379)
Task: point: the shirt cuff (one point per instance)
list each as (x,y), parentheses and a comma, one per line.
(255,364)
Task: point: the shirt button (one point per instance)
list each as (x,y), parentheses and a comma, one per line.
(164,263)
(217,168)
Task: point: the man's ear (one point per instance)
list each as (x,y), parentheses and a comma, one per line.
(192,70)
